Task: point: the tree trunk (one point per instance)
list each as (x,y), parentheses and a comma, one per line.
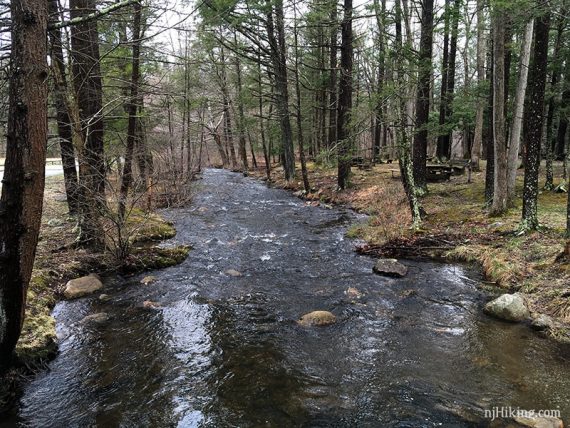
(406,168)
(443,141)
(552,103)
(241,115)
(534,117)
(345,98)
(499,205)
(127,176)
(279,62)
(479,116)
(332,102)
(24,174)
(89,95)
(301,142)
(516,127)
(62,116)
(423,95)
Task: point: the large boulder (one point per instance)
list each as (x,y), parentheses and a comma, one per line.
(317,318)
(510,307)
(83,286)
(390,267)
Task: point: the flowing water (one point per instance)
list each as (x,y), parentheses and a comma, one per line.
(226,350)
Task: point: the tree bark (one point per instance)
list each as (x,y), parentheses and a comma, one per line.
(534,117)
(62,116)
(479,116)
(499,205)
(89,95)
(516,127)
(127,176)
(24,175)
(332,90)
(345,97)
(276,36)
(423,96)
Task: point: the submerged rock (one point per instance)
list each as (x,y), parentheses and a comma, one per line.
(98,318)
(83,286)
(353,293)
(510,307)
(104,297)
(148,280)
(390,267)
(149,304)
(233,272)
(317,318)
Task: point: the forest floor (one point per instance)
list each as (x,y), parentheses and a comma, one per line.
(58,260)
(457,228)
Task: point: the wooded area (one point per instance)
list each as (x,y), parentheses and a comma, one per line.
(137,98)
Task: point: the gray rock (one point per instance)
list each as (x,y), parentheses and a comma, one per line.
(317,318)
(83,286)
(98,318)
(233,272)
(390,267)
(510,307)
(540,422)
(542,322)
(104,297)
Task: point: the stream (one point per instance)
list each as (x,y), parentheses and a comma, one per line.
(224,350)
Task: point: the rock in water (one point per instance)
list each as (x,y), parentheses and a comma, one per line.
(390,267)
(233,272)
(317,318)
(510,307)
(83,286)
(148,280)
(540,422)
(353,293)
(543,322)
(98,318)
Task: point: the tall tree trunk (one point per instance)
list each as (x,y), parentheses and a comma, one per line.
(345,98)
(406,168)
(241,115)
(442,140)
(127,176)
(301,143)
(228,131)
(379,113)
(516,127)
(333,99)
(89,94)
(62,116)
(24,174)
(276,36)
(499,205)
(488,132)
(534,117)
(422,100)
(479,116)
(266,153)
(552,104)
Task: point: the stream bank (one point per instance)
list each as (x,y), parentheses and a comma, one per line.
(220,345)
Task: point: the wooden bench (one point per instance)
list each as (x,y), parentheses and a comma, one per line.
(438,173)
(458,166)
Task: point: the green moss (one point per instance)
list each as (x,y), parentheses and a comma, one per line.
(38,339)
(155,258)
(149,227)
